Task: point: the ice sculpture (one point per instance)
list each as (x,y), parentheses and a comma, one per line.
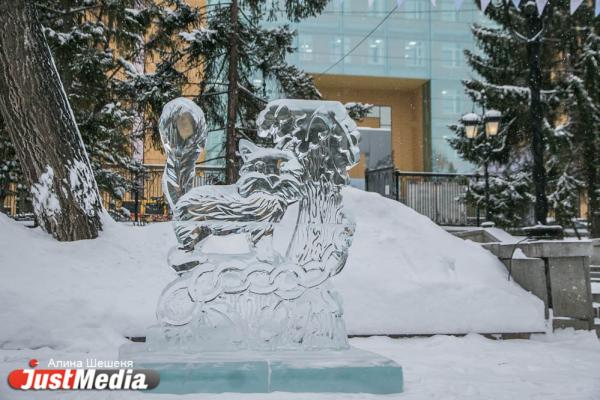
(261,299)
(238,312)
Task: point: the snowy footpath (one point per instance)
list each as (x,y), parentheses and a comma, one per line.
(75,301)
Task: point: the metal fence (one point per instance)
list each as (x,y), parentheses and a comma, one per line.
(147,202)
(441,197)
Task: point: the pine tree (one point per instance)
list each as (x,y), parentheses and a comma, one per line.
(509,183)
(241,60)
(100,48)
(507,81)
(42,129)
(585,104)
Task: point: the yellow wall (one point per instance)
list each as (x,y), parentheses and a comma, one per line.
(405,98)
(152,154)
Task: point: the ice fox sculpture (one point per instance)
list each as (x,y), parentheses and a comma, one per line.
(262,299)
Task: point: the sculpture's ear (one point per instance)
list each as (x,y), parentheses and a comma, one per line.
(246,147)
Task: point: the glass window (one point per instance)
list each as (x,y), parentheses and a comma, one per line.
(447,11)
(376,51)
(452,55)
(214,148)
(377,7)
(383,114)
(305,48)
(348,6)
(348,43)
(416,9)
(374,112)
(414,53)
(385,119)
(336,49)
(333,6)
(451,102)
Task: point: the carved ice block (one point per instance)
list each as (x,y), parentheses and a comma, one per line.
(230,319)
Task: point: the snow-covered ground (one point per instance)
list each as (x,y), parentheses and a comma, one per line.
(404,275)
(72,301)
(561,366)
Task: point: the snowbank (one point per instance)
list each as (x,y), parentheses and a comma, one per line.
(74,295)
(404,275)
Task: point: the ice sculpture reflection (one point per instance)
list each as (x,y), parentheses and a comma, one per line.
(262,299)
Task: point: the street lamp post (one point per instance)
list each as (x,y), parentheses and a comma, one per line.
(491,127)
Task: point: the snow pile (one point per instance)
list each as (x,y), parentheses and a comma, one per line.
(404,275)
(79,294)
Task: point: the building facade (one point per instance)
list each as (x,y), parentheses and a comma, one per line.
(410,68)
(412,64)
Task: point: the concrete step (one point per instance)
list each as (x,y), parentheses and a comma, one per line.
(596,297)
(594,274)
(596,308)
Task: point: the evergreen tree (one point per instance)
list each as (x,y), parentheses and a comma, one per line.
(10,172)
(241,60)
(585,106)
(43,131)
(509,197)
(100,48)
(509,182)
(507,80)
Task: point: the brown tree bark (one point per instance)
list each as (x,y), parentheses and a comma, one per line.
(43,130)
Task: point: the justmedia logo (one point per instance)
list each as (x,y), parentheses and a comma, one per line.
(82,379)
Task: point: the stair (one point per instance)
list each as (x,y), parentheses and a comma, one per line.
(595,279)
(595,273)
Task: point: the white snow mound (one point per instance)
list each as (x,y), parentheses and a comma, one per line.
(404,275)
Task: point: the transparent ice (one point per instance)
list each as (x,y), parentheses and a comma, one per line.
(262,299)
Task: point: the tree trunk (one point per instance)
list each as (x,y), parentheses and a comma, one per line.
(231,174)
(43,130)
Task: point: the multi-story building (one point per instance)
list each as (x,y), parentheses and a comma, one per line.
(409,65)
(410,68)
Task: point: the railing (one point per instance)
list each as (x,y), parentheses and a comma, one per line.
(152,187)
(148,203)
(439,196)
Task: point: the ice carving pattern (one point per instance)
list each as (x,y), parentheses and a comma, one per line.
(260,299)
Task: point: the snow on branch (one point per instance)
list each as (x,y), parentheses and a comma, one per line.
(201,35)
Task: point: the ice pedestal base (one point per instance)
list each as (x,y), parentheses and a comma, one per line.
(345,371)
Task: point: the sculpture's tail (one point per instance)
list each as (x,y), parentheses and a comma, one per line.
(183,133)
